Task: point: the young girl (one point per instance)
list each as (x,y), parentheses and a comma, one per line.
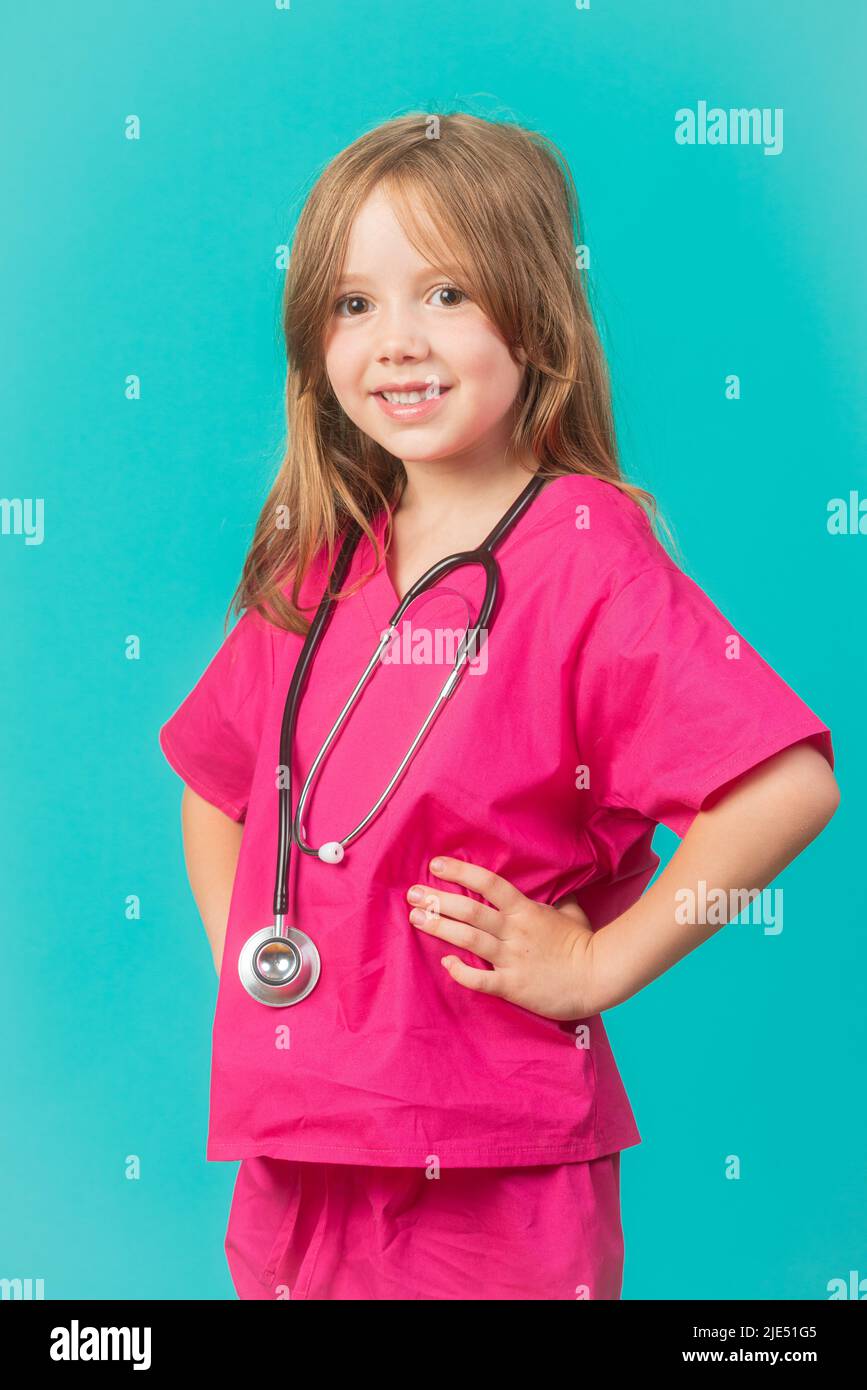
(441,1116)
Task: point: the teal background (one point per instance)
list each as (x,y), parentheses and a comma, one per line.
(156,257)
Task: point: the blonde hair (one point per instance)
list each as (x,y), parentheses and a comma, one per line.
(503,201)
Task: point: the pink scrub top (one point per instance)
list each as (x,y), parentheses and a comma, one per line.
(611,695)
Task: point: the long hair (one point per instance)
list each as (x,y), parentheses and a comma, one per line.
(503,205)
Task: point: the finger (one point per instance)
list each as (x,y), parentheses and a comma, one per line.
(482,981)
(481,943)
(459,907)
(499,891)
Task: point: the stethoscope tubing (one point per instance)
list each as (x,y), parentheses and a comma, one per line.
(314,636)
(289,830)
(470,635)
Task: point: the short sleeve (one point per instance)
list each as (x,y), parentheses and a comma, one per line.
(212,739)
(672,702)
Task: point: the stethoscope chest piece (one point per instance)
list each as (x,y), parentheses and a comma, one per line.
(279,968)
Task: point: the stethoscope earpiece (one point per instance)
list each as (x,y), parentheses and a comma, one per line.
(332,853)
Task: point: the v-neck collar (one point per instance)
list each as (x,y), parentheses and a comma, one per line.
(379,594)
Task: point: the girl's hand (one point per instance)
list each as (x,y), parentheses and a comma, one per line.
(541,955)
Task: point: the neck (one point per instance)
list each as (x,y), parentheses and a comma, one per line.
(441,489)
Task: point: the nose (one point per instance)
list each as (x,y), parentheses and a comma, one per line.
(400,337)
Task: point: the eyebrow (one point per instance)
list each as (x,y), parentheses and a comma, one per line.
(353,277)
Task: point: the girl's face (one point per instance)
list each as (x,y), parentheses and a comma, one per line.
(401,323)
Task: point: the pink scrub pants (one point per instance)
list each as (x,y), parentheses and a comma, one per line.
(346,1231)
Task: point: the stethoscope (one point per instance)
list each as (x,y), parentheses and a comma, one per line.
(280,965)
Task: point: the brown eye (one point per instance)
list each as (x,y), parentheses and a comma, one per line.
(451,290)
(347,300)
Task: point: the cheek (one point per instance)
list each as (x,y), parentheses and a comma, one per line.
(345,369)
(491,380)
(338,364)
(347,346)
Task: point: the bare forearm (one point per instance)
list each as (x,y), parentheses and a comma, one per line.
(742,842)
(212,843)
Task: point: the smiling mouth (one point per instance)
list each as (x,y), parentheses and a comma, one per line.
(411,397)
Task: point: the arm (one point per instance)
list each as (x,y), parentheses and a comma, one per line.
(747,837)
(212,843)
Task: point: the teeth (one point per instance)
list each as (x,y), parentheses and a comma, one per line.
(404,397)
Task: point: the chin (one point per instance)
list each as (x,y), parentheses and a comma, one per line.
(440,449)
